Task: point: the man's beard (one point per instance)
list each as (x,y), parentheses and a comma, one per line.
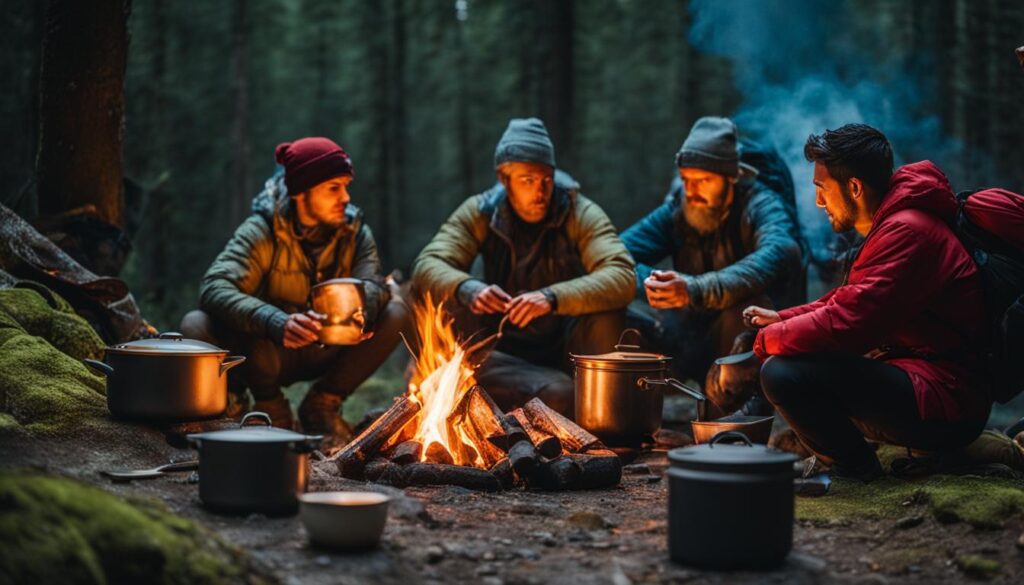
(707,219)
(845,223)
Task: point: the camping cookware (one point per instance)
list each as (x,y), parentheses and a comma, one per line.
(130,474)
(756,428)
(340,303)
(168,378)
(619,395)
(730,505)
(253,469)
(344,519)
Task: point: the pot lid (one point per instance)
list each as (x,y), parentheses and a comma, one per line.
(723,457)
(625,357)
(253,433)
(167,343)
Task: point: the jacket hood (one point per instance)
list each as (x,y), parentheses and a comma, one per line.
(920,185)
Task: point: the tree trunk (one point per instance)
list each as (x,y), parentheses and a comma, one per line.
(241,187)
(81,110)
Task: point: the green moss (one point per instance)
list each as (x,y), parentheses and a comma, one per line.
(978,566)
(59,530)
(981,502)
(44,387)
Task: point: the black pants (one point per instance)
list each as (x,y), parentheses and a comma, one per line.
(833,401)
(269,365)
(525,367)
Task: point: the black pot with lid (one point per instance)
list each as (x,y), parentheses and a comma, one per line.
(730,505)
(253,468)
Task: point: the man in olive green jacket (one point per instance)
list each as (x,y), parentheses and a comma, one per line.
(552,264)
(254,297)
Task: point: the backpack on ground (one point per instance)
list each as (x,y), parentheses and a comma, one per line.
(990,223)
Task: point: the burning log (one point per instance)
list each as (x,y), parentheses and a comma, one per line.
(548,446)
(353,457)
(503,471)
(514,431)
(478,417)
(523,458)
(407,452)
(419,474)
(436,453)
(592,470)
(573,437)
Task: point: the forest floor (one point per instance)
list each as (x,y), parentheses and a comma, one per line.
(615,536)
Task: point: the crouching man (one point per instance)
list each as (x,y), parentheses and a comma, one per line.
(552,263)
(254,297)
(893,353)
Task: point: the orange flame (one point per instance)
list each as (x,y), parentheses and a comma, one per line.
(442,376)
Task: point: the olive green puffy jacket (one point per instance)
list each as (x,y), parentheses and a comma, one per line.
(263,275)
(590,269)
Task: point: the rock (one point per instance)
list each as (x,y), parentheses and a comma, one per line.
(528,554)
(671,439)
(653,478)
(435,554)
(323,561)
(587,521)
(806,562)
(491,581)
(489,556)
(636,469)
(909,522)
(486,569)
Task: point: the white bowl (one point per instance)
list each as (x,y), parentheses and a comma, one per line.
(344,519)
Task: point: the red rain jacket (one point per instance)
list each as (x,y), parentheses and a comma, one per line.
(913,287)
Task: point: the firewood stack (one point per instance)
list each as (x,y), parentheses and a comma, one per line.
(532,446)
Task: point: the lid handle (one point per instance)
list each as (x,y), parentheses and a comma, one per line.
(172,335)
(256,414)
(623,347)
(729,435)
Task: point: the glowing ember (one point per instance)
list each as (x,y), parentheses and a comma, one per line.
(441,379)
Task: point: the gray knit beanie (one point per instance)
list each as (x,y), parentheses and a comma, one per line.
(711,146)
(525,140)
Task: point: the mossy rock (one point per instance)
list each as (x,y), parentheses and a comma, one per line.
(982,502)
(56,530)
(978,566)
(44,387)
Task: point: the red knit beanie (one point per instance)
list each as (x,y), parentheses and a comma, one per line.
(310,161)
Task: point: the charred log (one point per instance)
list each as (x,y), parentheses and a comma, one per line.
(592,470)
(523,458)
(574,438)
(561,473)
(548,446)
(353,457)
(503,471)
(514,431)
(407,452)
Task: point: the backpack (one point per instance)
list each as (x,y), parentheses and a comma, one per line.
(989,223)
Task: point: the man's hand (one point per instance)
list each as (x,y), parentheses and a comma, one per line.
(759,317)
(666,289)
(300,330)
(491,299)
(527,307)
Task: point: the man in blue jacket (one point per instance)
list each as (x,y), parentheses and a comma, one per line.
(733,241)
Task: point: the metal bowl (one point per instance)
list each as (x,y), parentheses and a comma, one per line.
(757,428)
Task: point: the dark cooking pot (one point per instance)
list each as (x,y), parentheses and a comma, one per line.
(619,395)
(730,506)
(168,378)
(253,469)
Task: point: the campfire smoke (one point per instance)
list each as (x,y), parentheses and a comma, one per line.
(446,429)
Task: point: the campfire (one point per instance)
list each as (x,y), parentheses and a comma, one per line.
(446,429)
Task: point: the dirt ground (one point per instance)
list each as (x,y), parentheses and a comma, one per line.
(453,535)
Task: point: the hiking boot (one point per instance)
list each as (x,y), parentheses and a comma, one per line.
(320,414)
(279,410)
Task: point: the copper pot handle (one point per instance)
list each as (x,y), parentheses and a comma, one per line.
(99,367)
(621,346)
(230,362)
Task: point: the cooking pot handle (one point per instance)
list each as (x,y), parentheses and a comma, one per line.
(99,366)
(230,362)
(729,435)
(646,383)
(257,414)
(621,346)
(173,335)
(308,445)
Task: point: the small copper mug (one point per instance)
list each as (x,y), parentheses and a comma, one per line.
(340,303)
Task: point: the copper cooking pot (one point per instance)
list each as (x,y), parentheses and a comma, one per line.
(340,304)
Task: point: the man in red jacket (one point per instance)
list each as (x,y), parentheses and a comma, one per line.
(892,353)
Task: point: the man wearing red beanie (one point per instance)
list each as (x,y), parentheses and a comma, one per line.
(254,297)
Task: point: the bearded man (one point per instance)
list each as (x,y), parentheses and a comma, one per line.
(733,241)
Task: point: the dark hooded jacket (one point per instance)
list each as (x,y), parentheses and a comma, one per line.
(264,274)
(757,251)
(913,293)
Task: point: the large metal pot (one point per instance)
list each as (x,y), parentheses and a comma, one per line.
(340,303)
(619,395)
(254,469)
(730,506)
(168,378)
